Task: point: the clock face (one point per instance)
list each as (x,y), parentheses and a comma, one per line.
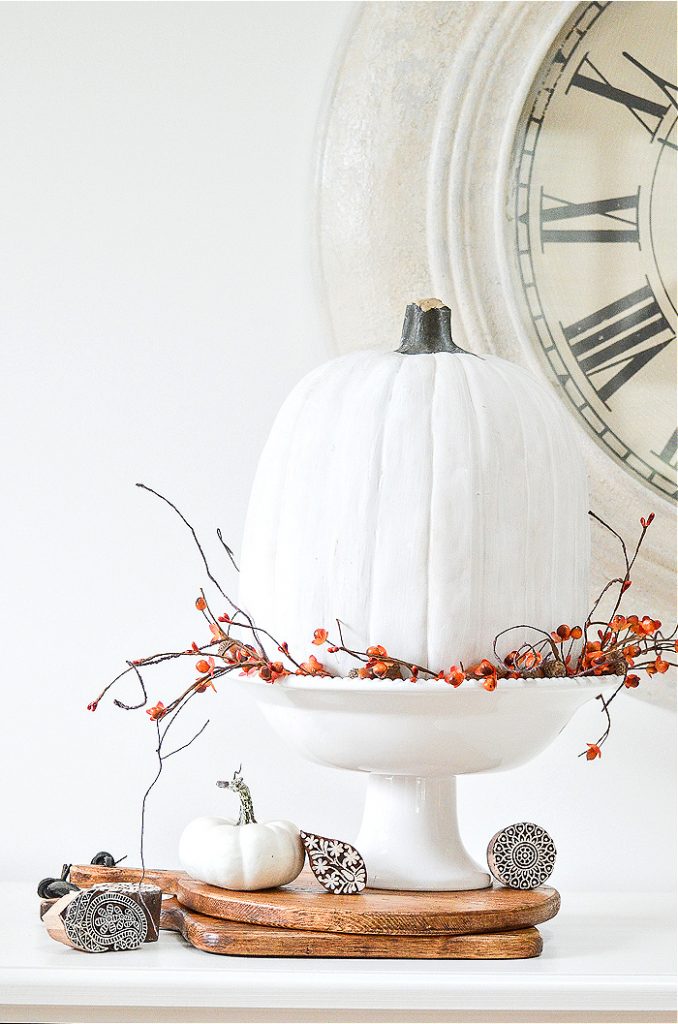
(595,214)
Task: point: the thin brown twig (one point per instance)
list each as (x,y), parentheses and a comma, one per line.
(265,632)
(614,533)
(161,734)
(199,546)
(600,597)
(184,745)
(547,638)
(228,550)
(605,706)
(142,703)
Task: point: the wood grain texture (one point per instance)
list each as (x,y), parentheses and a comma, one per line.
(86,875)
(46,905)
(233,938)
(302,905)
(53,918)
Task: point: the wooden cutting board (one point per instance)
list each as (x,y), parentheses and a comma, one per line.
(235,938)
(305,906)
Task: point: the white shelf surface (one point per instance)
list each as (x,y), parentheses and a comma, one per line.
(605,956)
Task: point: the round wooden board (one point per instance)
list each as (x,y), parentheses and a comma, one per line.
(304,905)
(233,938)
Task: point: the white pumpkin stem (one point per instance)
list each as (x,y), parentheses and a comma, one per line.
(238,785)
(427,329)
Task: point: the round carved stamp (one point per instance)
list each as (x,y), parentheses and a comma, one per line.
(521,856)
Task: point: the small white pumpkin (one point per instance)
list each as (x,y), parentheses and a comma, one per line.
(242,854)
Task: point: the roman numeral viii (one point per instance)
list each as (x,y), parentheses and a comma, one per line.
(614,343)
(649,112)
(602,220)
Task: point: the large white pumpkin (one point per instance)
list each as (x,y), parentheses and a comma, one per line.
(428,498)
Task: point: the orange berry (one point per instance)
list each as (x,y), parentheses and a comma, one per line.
(156,712)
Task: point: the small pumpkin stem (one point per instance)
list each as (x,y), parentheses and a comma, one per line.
(427,329)
(238,785)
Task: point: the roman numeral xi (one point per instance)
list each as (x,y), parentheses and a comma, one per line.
(648,112)
(614,343)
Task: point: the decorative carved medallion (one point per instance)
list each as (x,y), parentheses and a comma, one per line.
(521,856)
(112,917)
(337,865)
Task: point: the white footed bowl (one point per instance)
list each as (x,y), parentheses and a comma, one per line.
(413,739)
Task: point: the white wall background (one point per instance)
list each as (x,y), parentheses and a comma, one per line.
(157,303)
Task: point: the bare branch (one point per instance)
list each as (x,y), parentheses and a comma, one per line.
(142,703)
(184,745)
(227,550)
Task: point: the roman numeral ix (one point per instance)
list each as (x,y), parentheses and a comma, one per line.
(614,343)
(602,220)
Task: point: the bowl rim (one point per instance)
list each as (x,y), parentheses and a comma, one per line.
(339,684)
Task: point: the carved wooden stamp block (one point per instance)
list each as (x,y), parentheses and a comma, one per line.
(107,917)
(521,856)
(337,865)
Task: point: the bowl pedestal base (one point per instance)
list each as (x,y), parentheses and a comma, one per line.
(410,839)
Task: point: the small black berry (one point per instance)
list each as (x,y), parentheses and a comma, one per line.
(103,859)
(53,888)
(58,888)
